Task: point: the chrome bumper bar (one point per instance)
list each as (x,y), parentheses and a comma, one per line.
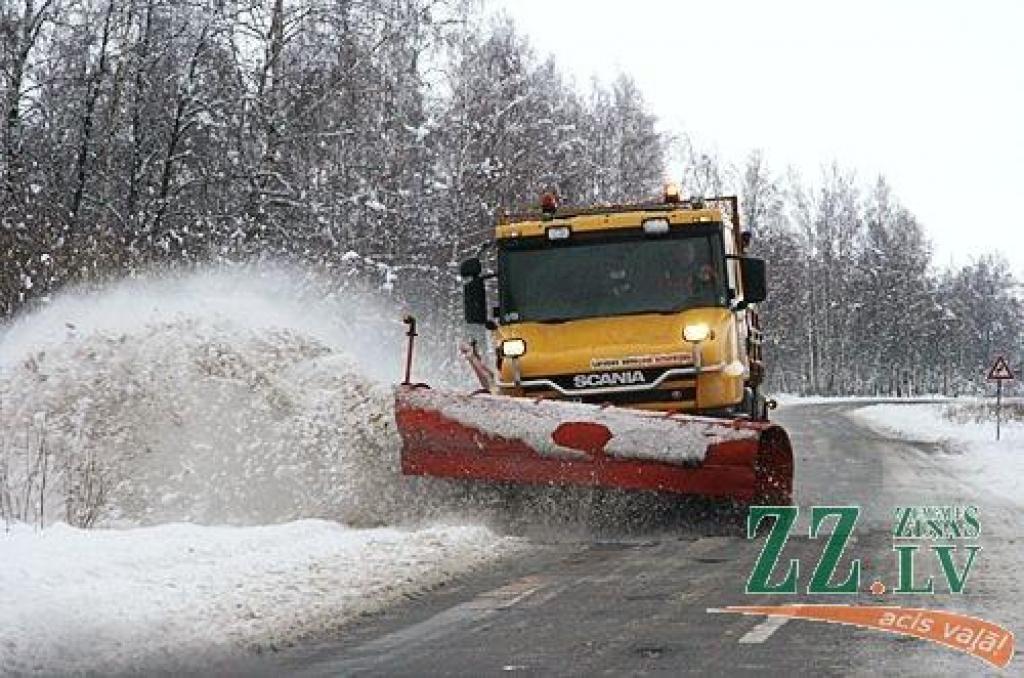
(692,371)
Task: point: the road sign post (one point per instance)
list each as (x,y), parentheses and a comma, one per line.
(999,373)
(999,407)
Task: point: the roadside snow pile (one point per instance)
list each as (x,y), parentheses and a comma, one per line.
(215,398)
(793,399)
(182,598)
(972,451)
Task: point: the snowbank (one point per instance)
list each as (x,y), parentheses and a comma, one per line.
(183,597)
(788,399)
(213,398)
(219,398)
(972,451)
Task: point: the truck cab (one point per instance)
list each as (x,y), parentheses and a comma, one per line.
(649,306)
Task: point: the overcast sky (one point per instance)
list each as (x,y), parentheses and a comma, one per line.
(929,93)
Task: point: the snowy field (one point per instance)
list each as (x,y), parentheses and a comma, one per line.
(230,440)
(973,452)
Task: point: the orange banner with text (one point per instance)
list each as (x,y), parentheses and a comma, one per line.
(983,639)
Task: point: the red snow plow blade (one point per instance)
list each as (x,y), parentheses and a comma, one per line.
(517,440)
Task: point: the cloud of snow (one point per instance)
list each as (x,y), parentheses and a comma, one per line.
(255,398)
(215,397)
(234,397)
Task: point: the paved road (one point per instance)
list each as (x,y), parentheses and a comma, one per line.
(637,604)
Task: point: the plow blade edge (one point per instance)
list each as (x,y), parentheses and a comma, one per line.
(516,440)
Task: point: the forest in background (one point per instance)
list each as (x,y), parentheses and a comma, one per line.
(383,136)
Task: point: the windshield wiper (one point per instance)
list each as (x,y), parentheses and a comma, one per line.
(560,320)
(654,311)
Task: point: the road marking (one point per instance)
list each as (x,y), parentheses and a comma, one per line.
(545,596)
(510,594)
(449,622)
(706,544)
(698,587)
(764,630)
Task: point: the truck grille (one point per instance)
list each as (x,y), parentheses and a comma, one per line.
(686,394)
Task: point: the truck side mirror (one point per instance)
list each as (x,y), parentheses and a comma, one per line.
(470,268)
(475,301)
(755,280)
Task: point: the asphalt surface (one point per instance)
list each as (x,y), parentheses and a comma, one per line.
(638,603)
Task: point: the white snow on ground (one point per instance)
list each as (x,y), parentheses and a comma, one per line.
(974,454)
(222,398)
(182,597)
(787,399)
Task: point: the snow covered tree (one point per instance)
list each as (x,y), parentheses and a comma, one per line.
(388,136)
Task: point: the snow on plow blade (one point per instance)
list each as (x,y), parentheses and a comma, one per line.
(518,440)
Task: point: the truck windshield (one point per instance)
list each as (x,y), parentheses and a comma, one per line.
(549,283)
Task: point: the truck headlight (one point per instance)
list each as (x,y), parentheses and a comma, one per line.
(697,332)
(657,226)
(559,233)
(513,348)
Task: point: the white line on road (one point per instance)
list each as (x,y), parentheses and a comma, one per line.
(764,630)
(449,622)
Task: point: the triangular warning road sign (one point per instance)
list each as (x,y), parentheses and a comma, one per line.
(1000,370)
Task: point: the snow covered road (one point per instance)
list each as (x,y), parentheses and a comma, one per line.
(635,603)
(235,451)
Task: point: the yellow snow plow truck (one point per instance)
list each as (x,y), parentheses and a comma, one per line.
(627,353)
